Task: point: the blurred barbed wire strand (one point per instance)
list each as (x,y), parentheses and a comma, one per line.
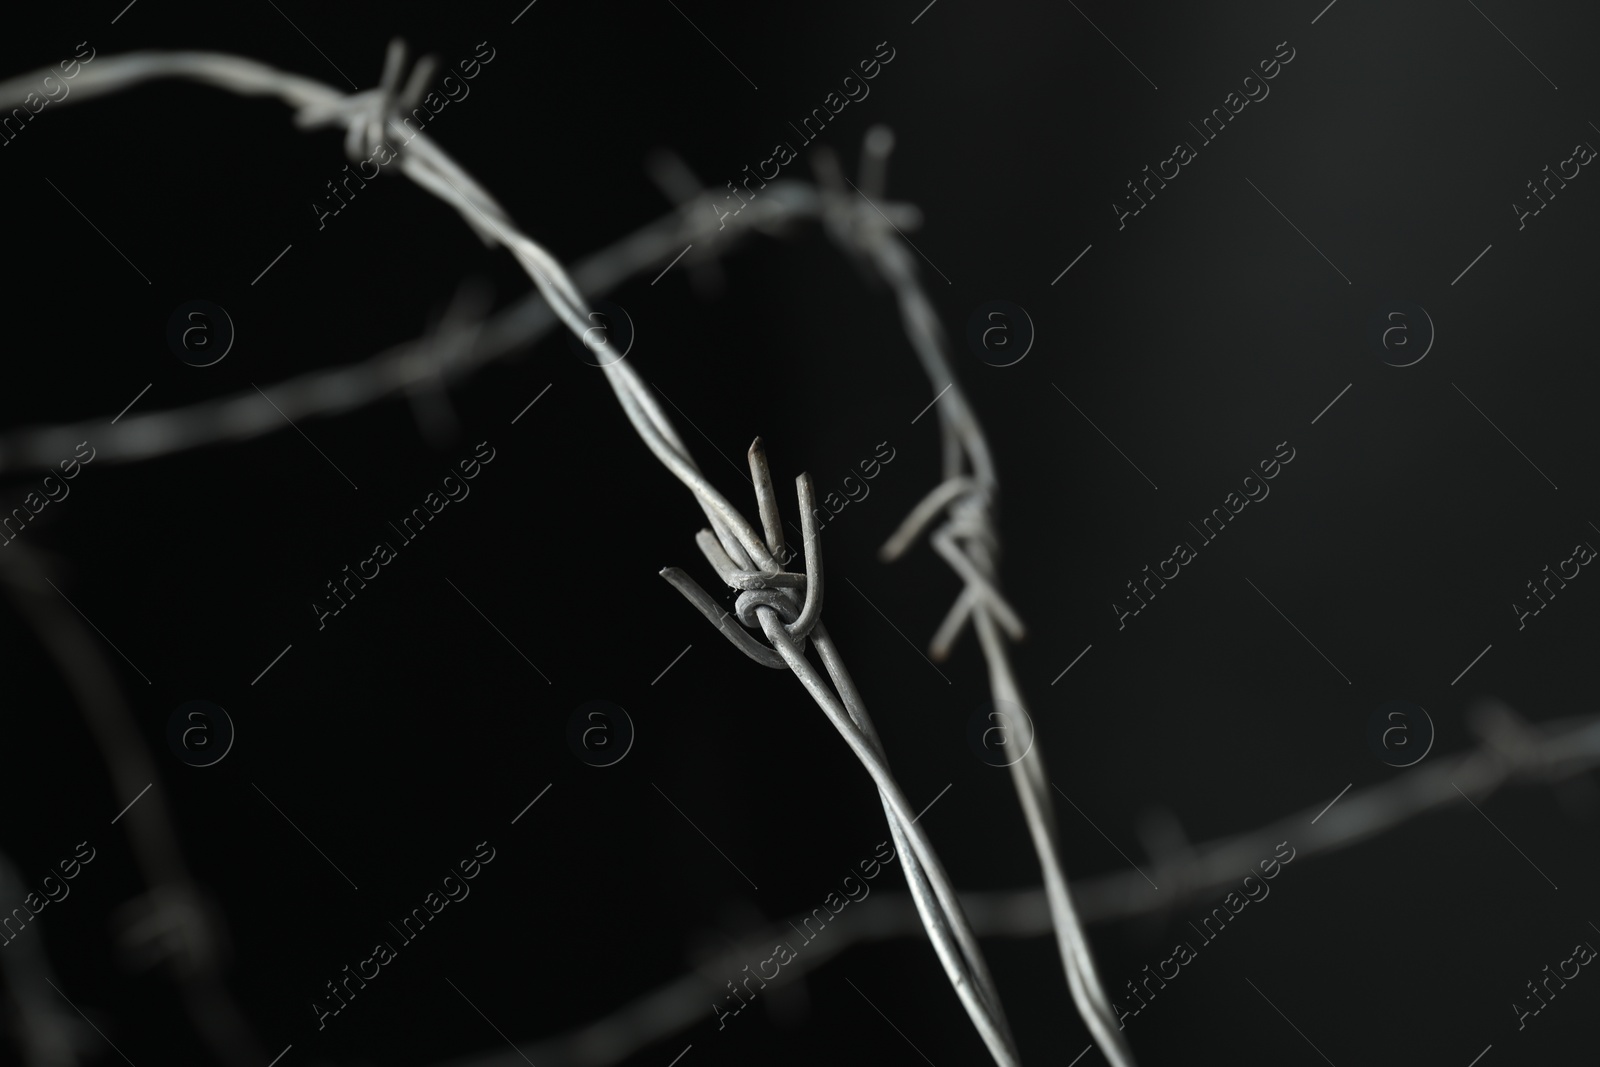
(173,922)
(1510,750)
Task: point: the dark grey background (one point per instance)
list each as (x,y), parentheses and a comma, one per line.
(1197,338)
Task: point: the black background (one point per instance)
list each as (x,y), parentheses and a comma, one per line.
(1197,338)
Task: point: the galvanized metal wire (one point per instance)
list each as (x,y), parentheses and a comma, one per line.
(769,599)
(968,541)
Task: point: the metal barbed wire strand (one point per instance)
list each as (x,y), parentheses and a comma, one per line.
(968,541)
(174,921)
(745,549)
(366,115)
(769,600)
(935,900)
(1509,752)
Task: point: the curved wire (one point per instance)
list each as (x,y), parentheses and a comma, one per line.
(367,116)
(953,939)
(968,542)
(931,889)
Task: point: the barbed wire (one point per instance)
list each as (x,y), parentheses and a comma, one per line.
(367,116)
(969,542)
(966,539)
(1510,751)
(173,922)
(768,600)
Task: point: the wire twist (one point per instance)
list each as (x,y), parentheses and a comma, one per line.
(771,600)
(774,589)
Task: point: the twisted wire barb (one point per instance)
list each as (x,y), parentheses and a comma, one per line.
(769,600)
(968,541)
(367,116)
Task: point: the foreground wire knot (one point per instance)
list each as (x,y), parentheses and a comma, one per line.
(786,606)
(778,591)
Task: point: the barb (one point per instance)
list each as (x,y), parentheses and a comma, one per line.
(968,541)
